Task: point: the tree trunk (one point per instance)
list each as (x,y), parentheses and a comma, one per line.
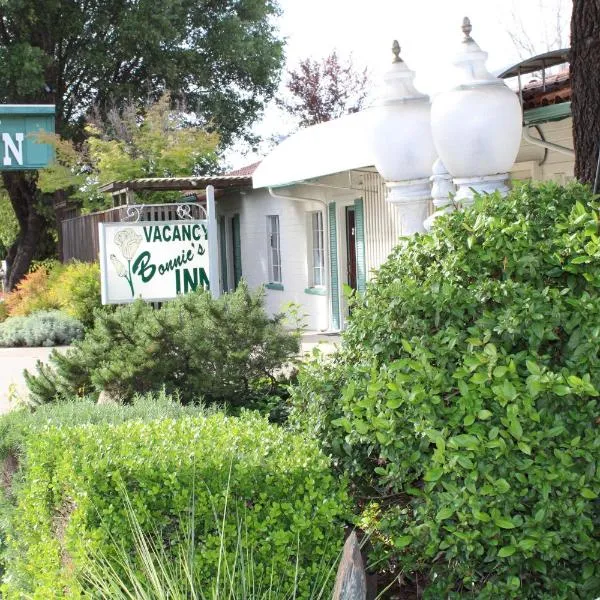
(585,83)
(22,190)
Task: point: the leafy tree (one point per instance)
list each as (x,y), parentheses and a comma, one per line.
(585,83)
(223,58)
(325,90)
(149,141)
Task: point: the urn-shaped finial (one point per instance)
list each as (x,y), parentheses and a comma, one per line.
(476,125)
(402,142)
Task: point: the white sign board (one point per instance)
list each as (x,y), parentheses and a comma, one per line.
(152,260)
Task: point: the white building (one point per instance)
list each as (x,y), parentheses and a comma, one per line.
(317,221)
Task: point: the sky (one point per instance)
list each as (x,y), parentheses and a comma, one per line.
(429,32)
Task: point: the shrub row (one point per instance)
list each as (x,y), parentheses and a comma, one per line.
(464,403)
(212,469)
(225,350)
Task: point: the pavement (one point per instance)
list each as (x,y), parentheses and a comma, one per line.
(13,361)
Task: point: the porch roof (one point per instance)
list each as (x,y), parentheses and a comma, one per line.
(164,184)
(324,149)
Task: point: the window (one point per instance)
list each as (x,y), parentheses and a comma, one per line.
(273,241)
(318,249)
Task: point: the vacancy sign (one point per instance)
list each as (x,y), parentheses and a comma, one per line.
(152,260)
(20,128)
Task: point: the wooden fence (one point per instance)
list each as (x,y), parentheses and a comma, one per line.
(79,236)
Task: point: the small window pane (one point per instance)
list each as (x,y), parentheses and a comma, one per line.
(273,242)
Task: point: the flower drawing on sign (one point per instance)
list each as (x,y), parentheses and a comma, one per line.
(128,242)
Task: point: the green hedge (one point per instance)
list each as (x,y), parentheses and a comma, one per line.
(69,504)
(465,400)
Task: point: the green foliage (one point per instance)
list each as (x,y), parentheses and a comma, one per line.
(465,400)
(9,226)
(69,502)
(42,328)
(76,290)
(152,572)
(73,288)
(149,140)
(223,59)
(225,350)
(17,425)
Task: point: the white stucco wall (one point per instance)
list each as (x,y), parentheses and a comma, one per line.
(253,208)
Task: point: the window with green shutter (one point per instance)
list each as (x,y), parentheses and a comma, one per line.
(237,249)
(333,263)
(361,265)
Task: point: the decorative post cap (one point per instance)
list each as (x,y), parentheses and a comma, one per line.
(467,28)
(396,52)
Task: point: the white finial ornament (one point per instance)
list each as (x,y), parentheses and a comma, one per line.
(476,125)
(403,144)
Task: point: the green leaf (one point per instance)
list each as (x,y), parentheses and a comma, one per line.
(504,522)
(361,427)
(433,474)
(515,429)
(444,513)
(403,541)
(528,544)
(507,551)
(469,420)
(589,494)
(484,414)
(394,403)
(523,447)
(479,378)
(502,485)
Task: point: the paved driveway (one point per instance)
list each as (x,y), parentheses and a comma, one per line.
(12,363)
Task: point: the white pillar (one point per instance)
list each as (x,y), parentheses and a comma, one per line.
(442,190)
(213,247)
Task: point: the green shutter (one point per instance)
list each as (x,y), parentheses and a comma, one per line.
(223,251)
(333,268)
(237,250)
(359,240)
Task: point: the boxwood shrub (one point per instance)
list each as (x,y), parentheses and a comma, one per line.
(464,402)
(69,504)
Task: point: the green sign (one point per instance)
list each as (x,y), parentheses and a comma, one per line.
(19,126)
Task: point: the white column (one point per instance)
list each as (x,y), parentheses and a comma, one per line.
(213,248)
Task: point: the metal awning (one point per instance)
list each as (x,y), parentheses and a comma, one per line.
(537,63)
(166,184)
(547,114)
(324,149)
